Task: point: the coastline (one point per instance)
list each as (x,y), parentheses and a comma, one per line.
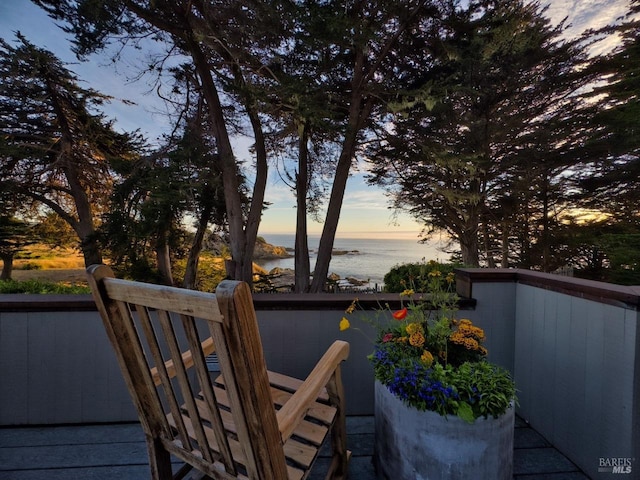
(363,260)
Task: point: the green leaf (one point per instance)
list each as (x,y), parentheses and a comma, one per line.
(465,412)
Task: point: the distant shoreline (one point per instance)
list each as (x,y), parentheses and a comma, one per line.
(378,235)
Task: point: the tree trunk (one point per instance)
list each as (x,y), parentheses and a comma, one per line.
(84,226)
(359,112)
(546,256)
(163,258)
(83,223)
(191,271)
(332,217)
(228,167)
(241,241)
(302,266)
(469,247)
(488,251)
(7,266)
(257,196)
(91,250)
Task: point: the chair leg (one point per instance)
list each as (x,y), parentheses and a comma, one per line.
(159,460)
(340,462)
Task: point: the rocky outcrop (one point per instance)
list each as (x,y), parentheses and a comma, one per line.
(218,245)
(266,251)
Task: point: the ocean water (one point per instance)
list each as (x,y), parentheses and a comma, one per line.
(369,258)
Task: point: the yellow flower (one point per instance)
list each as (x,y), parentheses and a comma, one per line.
(450,277)
(478,333)
(351,308)
(465,321)
(427,358)
(435,273)
(407,293)
(344,324)
(414,327)
(416,339)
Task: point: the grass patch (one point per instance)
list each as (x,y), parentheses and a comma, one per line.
(41,257)
(40,287)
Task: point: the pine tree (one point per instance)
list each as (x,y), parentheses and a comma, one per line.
(474,142)
(55,148)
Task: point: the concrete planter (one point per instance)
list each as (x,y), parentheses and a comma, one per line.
(415,445)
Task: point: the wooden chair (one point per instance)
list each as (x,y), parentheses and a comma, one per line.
(248,422)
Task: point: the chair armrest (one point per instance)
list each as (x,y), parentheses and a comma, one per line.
(295,409)
(187,358)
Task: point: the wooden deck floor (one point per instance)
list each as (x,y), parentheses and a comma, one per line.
(117,452)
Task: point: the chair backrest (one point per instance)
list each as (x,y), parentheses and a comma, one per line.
(156,334)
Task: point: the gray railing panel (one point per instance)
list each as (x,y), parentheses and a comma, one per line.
(574,369)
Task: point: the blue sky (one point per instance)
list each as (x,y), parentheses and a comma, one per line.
(365,209)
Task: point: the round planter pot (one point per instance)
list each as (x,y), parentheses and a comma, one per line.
(415,445)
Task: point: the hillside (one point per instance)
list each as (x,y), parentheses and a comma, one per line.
(40,262)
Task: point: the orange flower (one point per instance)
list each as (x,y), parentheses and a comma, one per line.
(400,314)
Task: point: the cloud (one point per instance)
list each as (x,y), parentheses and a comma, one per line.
(586,14)
(369,199)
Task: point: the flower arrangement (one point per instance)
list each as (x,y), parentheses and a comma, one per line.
(431,360)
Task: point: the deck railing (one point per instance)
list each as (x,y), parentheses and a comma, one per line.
(573,347)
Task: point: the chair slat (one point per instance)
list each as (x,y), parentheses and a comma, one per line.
(313,431)
(206,386)
(154,348)
(215,468)
(294,473)
(177,300)
(319,411)
(291,384)
(138,369)
(183,381)
(207,347)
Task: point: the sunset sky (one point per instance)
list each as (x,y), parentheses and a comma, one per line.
(365,208)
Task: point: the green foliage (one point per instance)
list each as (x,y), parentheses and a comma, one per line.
(41,287)
(474,162)
(484,387)
(15,235)
(154,197)
(211,271)
(416,276)
(54,231)
(471,390)
(30,266)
